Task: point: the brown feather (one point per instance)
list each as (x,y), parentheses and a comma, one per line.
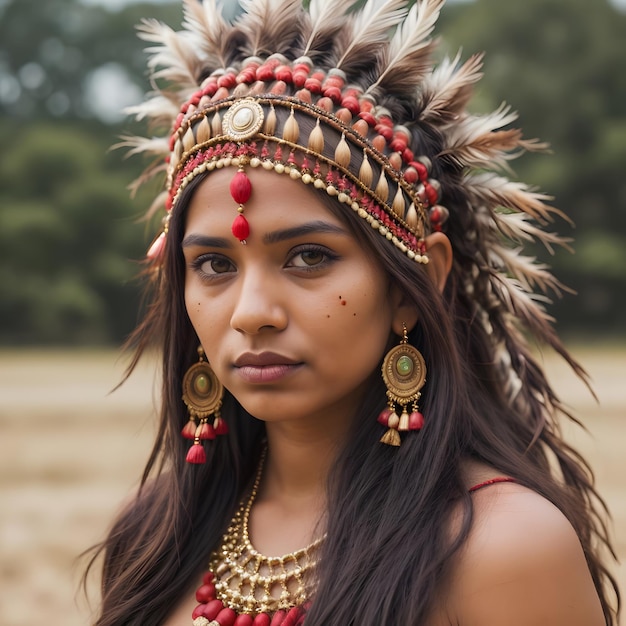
(270,26)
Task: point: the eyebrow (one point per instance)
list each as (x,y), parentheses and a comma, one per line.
(309,228)
(276,236)
(206,242)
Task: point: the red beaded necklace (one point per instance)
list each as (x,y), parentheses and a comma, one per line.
(246,588)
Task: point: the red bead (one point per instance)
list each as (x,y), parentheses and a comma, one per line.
(334,93)
(410,175)
(240,188)
(385,131)
(227,80)
(241,229)
(366,105)
(210,610)
(265,72)
(208,578)
(299,78)
(421,170)
(431,193)
(283,72)
(369,118)
(416,420)
(278,618)
(352,104)
(244,620)
(206,593)
(314,85)
(262,619)
(210,89)
(226,617)
(196,454)
(398,144)
(407,155)
(292,617)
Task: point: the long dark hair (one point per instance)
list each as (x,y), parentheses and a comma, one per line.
(388,509)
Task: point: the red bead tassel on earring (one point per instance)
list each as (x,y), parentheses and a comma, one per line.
(240,190)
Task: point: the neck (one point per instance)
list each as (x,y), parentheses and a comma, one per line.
(298,463)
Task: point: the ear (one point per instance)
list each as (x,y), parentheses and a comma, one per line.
(439,265)
(439,252)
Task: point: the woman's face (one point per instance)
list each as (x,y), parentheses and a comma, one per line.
(295,321)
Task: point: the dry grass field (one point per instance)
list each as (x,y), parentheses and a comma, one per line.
(70,452)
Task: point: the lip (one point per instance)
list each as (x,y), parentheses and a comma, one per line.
(263,359)
(265,367)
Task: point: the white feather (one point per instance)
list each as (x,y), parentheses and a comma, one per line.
(411,37)
(205,21)
(325,15)
(372,24)
(447,90)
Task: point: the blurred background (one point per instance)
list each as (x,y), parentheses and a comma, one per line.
(71,237)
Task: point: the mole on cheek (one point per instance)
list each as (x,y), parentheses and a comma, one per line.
(343,303)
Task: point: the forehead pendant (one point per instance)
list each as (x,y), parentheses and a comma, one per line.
(241,122)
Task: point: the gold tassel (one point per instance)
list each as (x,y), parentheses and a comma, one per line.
(391,438)
(204,130)
(366,174)
(291,131)
(189,141)
(382,188)
(412,218)
(216,124)
(399,204)
(342,152)
(316,139)
(270,122)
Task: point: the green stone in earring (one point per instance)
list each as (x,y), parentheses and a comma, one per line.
(201,384)
(404,366)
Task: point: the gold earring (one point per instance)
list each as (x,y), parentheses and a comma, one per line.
(404,373)
(202,393)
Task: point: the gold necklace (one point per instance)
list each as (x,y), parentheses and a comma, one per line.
(249,582)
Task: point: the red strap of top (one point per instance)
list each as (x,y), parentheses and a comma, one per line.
(492,481)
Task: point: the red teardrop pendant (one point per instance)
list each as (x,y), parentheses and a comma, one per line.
(240,188)
(241,228)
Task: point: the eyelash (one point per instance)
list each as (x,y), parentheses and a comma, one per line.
(329,257)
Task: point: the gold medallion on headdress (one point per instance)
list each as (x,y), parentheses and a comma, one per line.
(243,120)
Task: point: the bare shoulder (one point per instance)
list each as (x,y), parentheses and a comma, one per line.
(522,565)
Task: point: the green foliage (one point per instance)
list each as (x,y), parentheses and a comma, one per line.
(561,64)
(68,232)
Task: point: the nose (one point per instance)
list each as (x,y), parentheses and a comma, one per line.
(259,306)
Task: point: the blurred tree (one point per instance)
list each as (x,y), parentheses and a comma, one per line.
(561,63)
(67,231)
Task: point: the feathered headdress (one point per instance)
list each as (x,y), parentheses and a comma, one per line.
(349,102)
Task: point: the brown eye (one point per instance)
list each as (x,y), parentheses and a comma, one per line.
(215,265)
(312,257)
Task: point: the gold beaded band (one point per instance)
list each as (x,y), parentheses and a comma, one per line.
(207,140)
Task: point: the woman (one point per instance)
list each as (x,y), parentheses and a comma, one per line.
(342,319)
